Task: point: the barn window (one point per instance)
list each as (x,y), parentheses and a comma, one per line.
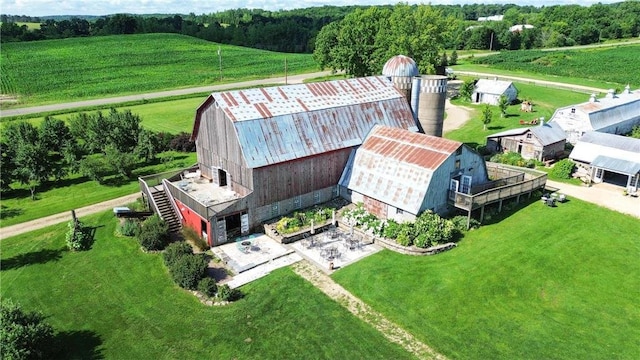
(573,110)
(457,164)
(529,136)
(399,211)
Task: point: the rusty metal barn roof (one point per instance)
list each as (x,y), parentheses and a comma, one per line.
(264,103)
(284,123)
(396,166)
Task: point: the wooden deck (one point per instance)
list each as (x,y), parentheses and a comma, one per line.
(525,183)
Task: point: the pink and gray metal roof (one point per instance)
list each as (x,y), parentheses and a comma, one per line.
(284,123)
(396,166)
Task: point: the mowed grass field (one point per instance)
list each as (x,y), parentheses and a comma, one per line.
(606,67)
(81,68)
(542,283)
(116,302)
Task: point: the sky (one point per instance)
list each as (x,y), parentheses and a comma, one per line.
(198,7)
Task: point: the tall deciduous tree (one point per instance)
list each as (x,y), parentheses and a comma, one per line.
(23,334)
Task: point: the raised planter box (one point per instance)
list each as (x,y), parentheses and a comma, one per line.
(270,230)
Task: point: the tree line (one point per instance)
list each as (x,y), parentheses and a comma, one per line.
(297,30)
(94,145)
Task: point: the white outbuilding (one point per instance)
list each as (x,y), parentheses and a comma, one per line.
(488,91)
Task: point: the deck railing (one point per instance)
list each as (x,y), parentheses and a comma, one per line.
(144,187)
(471,202)
(172,201)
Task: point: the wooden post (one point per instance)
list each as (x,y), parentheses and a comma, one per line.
(500,206)
(481,213)
(74,218)
(469,220)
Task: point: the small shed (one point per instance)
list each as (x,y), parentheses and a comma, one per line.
(609,158)
(488,91)
(398,174)
(543,142)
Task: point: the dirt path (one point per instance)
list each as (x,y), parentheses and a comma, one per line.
(24,227)
(356,306)
(457,116)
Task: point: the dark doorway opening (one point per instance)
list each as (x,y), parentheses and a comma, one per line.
(232,223)
(222,177)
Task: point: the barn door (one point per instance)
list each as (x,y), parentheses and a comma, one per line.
(453,187)
(466,184)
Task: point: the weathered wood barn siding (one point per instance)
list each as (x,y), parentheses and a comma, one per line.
(218,148)
(292,178)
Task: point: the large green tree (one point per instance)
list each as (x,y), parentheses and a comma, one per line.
(365,39)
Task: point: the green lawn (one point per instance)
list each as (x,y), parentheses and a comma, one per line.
(62,70)
(115,302)
(544,283)
(78,191)
(545,102)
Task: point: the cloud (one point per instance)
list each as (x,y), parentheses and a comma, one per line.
(106,7)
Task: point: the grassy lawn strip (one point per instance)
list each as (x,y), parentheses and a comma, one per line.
(78,191)
(115,302)
(544,283)
(104,66)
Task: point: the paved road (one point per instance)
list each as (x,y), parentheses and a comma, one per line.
(24,227)
(293,79)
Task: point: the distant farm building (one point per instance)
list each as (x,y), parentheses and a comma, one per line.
(399,174)
(543,142)
(609,158)
(614,114)
(491,18)
(488,91)
(520,27)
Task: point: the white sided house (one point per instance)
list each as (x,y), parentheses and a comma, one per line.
(398,174)
(488,91)
(614,114)
(609,158)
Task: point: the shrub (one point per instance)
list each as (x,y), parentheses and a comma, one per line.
(187,270)
(404,237)
(78,236)
(192,235)
(23,335)
(225,293)
(175,251)
(154,233)
(182,142)
(460,223)
(129,227)
(208,286)
(562,169)
(392,229)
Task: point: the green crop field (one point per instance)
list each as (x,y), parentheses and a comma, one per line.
(617,65)
(542,283)
(82,68)
(116,302)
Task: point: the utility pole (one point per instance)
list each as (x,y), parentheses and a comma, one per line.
(491,43)
(220,61)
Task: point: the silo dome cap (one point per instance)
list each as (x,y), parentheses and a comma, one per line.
(400,65)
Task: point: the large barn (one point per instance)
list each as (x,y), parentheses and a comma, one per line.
(614,114)
(266,152)
(398,174)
